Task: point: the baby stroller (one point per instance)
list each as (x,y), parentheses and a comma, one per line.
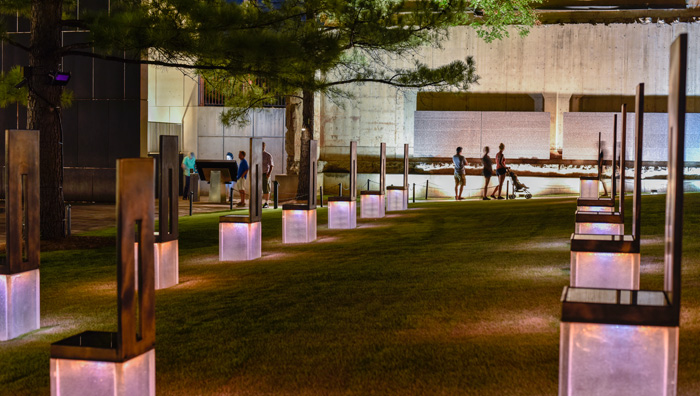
(519,189)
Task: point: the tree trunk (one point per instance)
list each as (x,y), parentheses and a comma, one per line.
(43,112)
(292,137)
(307,133)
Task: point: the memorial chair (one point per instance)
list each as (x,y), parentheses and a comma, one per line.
(612,261)
(240,236)
(589,196)
(625,342)
(120,363)
(166,247)
(608,221)
(19,269)
(397,196)
(299,220)
(372,202)
(342,210)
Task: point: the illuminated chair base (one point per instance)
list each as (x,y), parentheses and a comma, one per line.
(342,213)
(19,304)
(590,187)
(136,376)
(371,205)
(606,209)
(298,224)
(617,360)
(600,228)
(605,270)
(239,240)
(396,199)
(166,262)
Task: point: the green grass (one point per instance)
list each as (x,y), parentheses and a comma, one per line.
(446,298)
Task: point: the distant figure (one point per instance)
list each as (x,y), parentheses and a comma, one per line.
(267,165)
(188,167)
(242,176)
(501,171)
(460,174)
(487,172)
(229,157)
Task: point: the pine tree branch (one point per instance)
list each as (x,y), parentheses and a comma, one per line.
(6,37)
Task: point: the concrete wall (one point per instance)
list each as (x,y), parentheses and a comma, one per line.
(581,136)
(438,133)
(173,98)
(555,61)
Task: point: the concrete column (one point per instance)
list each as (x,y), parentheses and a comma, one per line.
(556,104)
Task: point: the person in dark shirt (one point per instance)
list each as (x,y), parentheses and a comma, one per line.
(487,172)
(242,176)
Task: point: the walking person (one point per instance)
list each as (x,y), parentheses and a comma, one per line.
(242,176)
(501,171)
(267,165)
(487,172)
(460,174)
(188,167)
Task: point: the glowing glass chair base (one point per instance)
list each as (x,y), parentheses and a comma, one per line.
(590,187)
(77,377)
(372,205)
(19,304)
(239,238)
(396,198)
(342,213)
(166,263)
(599,223)
(604,261)
(298,224)
(617,343)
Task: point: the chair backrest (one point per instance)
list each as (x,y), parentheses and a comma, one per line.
(614,159)
(623,153)
(255,178)
(313,178)
(21,201)
(168,188)
(405,165)
(382,168)
(353,171)
(136,332)
(676,159)
(639,146)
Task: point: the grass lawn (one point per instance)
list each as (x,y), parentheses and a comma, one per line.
(446,298)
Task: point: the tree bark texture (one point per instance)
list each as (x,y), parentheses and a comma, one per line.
(43,112)
(306,136)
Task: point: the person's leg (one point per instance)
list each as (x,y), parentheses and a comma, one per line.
(461,189)
(456,187)
(186,191)
(486,186)
(242,193)
(501,179)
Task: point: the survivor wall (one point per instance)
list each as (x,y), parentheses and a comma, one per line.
(553,64)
